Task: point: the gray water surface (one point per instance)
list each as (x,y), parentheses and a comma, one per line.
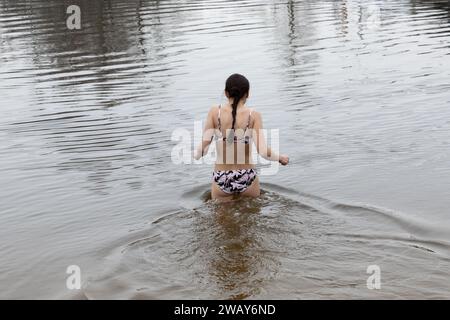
(359,91)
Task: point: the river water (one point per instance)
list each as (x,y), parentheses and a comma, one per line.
(358,89)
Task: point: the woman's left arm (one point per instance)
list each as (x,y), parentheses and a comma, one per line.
(207,137)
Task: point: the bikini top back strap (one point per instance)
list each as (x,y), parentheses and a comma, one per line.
(249,119)
(218,117)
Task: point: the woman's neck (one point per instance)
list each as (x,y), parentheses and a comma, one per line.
(241,103)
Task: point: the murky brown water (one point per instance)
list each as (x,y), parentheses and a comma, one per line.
(359,89)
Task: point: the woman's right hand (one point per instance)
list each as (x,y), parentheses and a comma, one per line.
(284,159)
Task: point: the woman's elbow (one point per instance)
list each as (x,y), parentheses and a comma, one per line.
(263,153)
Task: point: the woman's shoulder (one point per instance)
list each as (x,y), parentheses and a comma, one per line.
(253,110)
(214,109)
(254,113)
(254,116)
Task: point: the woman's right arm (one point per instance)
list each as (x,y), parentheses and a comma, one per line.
(261,145)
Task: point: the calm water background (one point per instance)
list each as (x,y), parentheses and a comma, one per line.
(359,89)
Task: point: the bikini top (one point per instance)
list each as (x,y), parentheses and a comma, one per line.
(243,139)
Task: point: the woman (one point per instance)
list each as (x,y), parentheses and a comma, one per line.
(234,126)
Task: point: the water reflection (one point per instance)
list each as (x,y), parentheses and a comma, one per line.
(418,5)
(116,59)
(237,250)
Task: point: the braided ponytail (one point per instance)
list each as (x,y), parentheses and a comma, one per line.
(237,96)
(237,86)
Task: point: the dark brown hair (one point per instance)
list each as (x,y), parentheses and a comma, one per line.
(237,87)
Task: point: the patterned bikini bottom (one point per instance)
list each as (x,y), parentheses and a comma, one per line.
(234,181)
